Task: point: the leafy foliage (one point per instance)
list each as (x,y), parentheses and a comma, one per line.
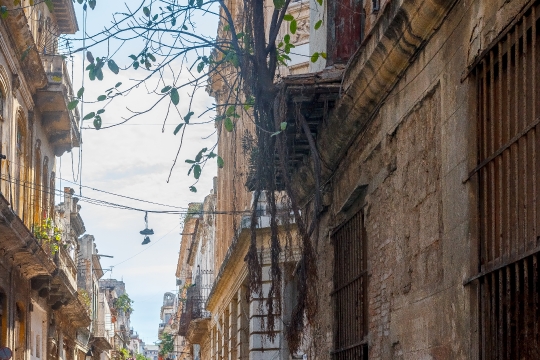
(49,233)
(123,302)
(166,344)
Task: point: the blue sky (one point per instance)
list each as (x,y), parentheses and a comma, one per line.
(134,160)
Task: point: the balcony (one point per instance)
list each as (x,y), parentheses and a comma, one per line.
(194,309)
(60,124)
(102,336)
(67,268)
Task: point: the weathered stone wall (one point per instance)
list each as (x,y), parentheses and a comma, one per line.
(412,158)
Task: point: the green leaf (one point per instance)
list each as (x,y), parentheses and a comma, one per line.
(89,57)
(16,2)
(200,67)
(173,21)
(200,155)
(97,122)
(177,129)
(188,116)
(193,189)
(112,66)
(279,3)
(190,161)
(229,126)
(320,2)
(80,92)
(314,57)
(92,4)
(101,97)
(92,74)
(323,55)
(136,65)
(154,18)
(283,126)
(175,97)
(166,89)
(133,57)
(287,38)
(99,74)
(146,11)
(276,133)
(184,27)
(199,3)
(100,111)
(220,162)
(25,52)
(151,57)
(288,17)
(73,104)
(230,111)
(318,24)
(197,171)
(117,84)
(50,5)
(89,115)
(3,12)
(293,26)
(227,27)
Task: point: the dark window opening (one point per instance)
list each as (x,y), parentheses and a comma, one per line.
(508,109)
(350,290)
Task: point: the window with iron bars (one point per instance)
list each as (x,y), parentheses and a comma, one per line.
(350,290)
(508,110)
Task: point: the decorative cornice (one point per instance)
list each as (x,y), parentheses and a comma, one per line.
(400,32)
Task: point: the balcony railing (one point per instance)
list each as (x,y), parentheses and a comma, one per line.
(66,264)
(194,308)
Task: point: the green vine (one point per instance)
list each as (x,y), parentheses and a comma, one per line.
(49,233)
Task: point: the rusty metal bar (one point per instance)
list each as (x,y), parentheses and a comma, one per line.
(349,279)
(503,148)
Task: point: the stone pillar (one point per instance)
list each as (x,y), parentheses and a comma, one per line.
(225,334)
(260,346)
(212,344)
(233,318)
(242,325)
(61,355)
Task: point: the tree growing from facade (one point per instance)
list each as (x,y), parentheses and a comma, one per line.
(246,59)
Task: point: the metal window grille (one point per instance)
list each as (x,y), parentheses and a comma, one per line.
(350,290)
(508,163)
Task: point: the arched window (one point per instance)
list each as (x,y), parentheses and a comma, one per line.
(38,187)
(2,102)
(45,186)
(52,189)
(21,168)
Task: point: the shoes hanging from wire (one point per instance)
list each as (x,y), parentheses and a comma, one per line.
(146,231)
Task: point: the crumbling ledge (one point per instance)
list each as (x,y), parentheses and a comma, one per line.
(400,32)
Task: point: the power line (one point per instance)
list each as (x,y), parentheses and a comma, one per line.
(104,203)
(104,191)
